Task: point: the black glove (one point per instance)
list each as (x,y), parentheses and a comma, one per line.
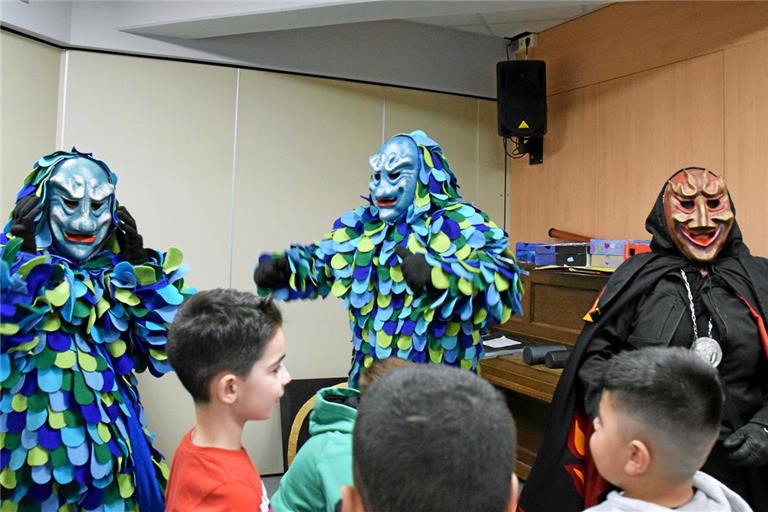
(23,221)
(416,271)
(748,445)
(131,242)
(272,273)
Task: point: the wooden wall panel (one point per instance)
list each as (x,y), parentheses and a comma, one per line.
(561,192)
(650,125)
(746,139)
(629,37)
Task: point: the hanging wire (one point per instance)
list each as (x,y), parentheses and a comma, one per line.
(516,153)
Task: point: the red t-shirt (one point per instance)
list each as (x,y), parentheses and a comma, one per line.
(214,479)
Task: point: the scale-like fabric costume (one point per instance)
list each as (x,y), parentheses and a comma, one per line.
(474,277)
(72,431)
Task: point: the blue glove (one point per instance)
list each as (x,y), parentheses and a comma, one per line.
(748,445)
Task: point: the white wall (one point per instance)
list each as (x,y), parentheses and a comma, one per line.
(28,108)
(226,163)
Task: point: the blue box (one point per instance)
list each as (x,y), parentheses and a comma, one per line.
(545,255)
(525,252)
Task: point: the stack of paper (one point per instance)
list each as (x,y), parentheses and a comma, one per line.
(502,346)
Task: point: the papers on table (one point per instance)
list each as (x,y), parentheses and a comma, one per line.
(502,346)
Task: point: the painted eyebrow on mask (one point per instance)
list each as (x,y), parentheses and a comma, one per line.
(68,187)
(101,192)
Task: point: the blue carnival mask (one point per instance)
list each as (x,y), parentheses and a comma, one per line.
(80,199)
(394,173)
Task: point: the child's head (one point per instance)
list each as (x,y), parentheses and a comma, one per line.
(379,369)
(432,438)
(659,416)
(228,347)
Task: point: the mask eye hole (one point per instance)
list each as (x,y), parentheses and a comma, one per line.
(69,203)
(376,176)
(95,205)
(713,203)
(686,204)
(394,175)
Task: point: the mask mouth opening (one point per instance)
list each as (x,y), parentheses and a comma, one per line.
(702,237)
(80,238)
(386,201)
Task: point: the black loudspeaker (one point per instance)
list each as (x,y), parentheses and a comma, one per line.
(557,359)
(521,87)
(535,354)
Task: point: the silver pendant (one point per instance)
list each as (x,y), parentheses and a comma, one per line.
(709,350)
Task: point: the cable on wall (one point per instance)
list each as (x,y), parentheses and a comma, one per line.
(234,177)
(63,100)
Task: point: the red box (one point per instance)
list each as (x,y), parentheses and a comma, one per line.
(636,247)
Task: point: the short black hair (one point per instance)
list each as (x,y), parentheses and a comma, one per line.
(219,330)
(676,398)
(433,438)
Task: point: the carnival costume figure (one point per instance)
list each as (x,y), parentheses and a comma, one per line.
(699,288)
(421,273)
(84,307)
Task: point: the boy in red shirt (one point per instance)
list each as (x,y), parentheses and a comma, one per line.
(227,348)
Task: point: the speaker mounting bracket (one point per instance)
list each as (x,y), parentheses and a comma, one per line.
(534,147)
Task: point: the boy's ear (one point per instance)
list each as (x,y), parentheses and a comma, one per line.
(351,500)
(639,458)
(224,387)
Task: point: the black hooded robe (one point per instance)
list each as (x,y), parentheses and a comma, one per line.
(645,303)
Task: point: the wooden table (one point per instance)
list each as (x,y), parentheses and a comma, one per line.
(554,304)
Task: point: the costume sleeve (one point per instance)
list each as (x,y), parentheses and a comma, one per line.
(605,342)
(26,283)
(471,265)
(143,300)
(310,273)
(761,416)
(317,267)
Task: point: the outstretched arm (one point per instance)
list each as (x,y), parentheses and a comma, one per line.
(309,271)
(301,272)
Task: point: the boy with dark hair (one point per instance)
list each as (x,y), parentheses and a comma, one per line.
(324,464)
(227,348)
(432,438)
(659,418)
